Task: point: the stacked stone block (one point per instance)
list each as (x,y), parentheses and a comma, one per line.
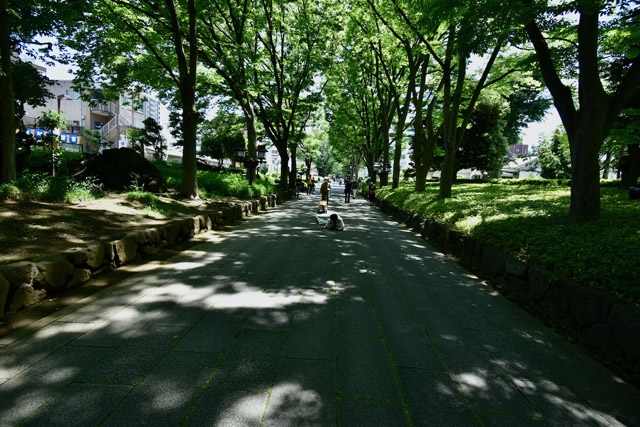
(26,283)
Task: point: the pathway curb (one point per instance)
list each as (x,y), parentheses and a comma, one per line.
(25,283)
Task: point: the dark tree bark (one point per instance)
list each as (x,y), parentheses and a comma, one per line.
(8,137)
(630,166)
(589,125)
(187,84)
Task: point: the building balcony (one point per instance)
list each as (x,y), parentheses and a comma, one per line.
(104,108)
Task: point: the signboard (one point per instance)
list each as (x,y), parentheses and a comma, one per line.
(37,133)
(75,148)
(69,138)
(64,137)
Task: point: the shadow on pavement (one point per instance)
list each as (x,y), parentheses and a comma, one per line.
(280,322)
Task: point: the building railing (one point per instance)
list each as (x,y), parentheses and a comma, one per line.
(103,106)
(111,125)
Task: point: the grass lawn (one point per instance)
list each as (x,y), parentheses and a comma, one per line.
(216,185)
(530,222)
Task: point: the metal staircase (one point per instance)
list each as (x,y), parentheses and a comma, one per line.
(108,131)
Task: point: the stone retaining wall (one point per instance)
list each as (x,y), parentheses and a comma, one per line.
(26,283)
(600,318)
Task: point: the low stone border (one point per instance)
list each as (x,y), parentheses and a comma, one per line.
(26,283)
(598,317)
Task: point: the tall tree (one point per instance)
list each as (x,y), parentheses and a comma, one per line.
(295,43)
(20,24)
(150,42)
(589,118)
(418,66)
(6,85)
(228,46)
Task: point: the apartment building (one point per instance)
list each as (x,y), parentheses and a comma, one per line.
(113,119)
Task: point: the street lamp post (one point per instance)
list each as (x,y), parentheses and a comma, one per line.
(250,163)
(376,169)
(384,175)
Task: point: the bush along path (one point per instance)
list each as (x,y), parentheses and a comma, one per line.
(608,325)
(25,283)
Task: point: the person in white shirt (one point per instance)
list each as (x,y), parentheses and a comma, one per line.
(333,222)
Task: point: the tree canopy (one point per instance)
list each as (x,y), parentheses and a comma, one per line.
(386,74)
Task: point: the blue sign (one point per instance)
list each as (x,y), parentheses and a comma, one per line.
(64,137)
(69,138)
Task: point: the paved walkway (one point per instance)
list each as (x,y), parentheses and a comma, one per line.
(282,323)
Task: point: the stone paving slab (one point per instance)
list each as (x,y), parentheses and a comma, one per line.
(282,323)
(365,377)
(434,399)
(228,408)
(84,404)
(167,392)
(304,394)
(130,362)
(33,387)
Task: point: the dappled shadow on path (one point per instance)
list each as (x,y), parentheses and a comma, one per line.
(280,322)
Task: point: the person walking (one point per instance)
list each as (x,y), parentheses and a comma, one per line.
(372,193)
(347,191)
(309,184)
(325,188)
(298,185)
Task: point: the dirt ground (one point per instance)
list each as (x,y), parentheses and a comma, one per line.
(29,230)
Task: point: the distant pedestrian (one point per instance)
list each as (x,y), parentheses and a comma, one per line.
(298,185)
(347,191)
(324,191)
(372,193)
(309,184)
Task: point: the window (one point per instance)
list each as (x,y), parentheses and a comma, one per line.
(72,94)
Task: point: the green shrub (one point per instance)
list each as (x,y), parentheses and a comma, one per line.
(67,162)
(33,186)
(87,189)
(9,192)
(216,184)
(147,199)
(43,187)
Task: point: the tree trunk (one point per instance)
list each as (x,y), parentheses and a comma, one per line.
(397,155)
(250,118)
(585,177)
(294,167)
(8,115)
(446,174)
(284,164)
(187,87)
(630,166)
(189,187)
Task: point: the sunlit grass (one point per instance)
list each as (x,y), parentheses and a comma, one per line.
(42,187)
(531,222)
(215,185)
